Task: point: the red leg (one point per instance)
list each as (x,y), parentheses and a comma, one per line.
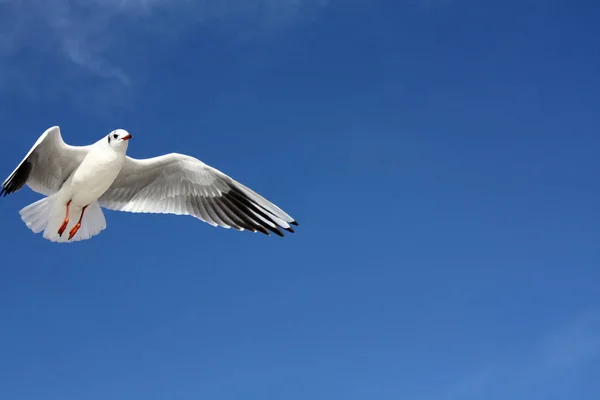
(78,225)
(62,228)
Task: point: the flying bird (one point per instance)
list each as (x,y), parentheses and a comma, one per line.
(78,181)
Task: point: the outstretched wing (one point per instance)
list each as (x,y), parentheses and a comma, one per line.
(180,184)
(46,166)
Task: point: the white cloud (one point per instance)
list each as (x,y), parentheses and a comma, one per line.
(575,345)
(92,37)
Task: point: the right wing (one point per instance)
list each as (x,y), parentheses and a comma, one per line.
(180,184)
(46,166)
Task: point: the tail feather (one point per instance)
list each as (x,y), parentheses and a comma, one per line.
(36,215)
(48,215)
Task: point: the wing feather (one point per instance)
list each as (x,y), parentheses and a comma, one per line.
(221,214)
(46,166)
(183,185)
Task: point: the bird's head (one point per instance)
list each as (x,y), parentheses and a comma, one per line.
(119,138)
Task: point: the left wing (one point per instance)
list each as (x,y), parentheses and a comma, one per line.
(46,166)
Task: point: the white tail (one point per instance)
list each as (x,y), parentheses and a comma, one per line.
(48,215)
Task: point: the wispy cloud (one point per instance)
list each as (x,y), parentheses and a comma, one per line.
(575,345)
(92,38)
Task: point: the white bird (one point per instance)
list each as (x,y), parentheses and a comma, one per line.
(79,180)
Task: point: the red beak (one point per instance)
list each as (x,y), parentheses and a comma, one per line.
(127,137)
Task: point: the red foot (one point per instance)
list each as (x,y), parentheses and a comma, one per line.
(62,228)
(78,225)
(74,230)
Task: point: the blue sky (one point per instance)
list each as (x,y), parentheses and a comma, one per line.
(440,156)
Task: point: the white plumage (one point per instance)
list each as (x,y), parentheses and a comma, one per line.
(79,180)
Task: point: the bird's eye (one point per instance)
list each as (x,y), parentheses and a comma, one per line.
(115,136)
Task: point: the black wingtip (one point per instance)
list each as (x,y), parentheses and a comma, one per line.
(17,179)
(262,229)
(294,223)
(5,190)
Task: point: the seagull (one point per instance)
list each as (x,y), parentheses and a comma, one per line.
(78,181)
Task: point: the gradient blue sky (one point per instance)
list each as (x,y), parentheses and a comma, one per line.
(441,157)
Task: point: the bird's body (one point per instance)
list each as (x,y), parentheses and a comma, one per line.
(95,174)
(79,180)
